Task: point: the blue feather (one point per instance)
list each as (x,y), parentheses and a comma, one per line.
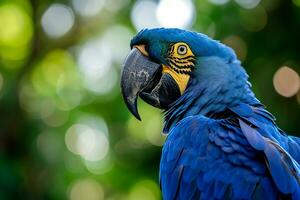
(222,142)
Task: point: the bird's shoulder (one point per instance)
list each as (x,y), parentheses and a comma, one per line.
(208,158)
(225,158)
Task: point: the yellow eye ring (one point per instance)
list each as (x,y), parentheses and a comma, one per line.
(182,50)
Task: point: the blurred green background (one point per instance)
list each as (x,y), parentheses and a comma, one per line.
(64,130)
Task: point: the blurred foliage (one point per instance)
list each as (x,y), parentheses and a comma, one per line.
(64,130)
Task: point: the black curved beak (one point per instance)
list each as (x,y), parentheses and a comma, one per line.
(143,77)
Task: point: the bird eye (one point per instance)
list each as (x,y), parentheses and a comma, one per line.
(182,50)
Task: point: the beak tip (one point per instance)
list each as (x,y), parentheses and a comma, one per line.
(138,117)
(137,72)
(135,114)
(132,106)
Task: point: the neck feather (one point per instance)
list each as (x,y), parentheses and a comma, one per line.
(210,93)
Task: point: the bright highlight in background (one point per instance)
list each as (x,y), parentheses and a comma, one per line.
(16,31)
(286,81)
(15,25)
(248,4)
(57,20)
(167,13)
(100,167)
(88,139)
(95,65)
(175,13)
(146,190)
(97,56)
(143,14)
(88,8)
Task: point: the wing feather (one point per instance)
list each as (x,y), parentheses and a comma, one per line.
(204,157)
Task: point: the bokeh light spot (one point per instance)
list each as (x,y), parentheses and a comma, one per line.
(176,13)
(146,190)
(254,20)
(47,74)
(87,189)
(53,88)
(57,20)
(248,4)
(101,166)
(17,23)
(15,33)
(91,144)
(54,77)
(238,44)
(88,141)
(286,81)
(96,58)
(69,95)
(115,40)
(143,14)
(88,8)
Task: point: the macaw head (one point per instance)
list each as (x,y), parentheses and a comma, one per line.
(166,63)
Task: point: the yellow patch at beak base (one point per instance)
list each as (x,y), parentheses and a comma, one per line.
(181,79)
(142,49)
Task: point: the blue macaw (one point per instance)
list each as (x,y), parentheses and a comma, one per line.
(222,143)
